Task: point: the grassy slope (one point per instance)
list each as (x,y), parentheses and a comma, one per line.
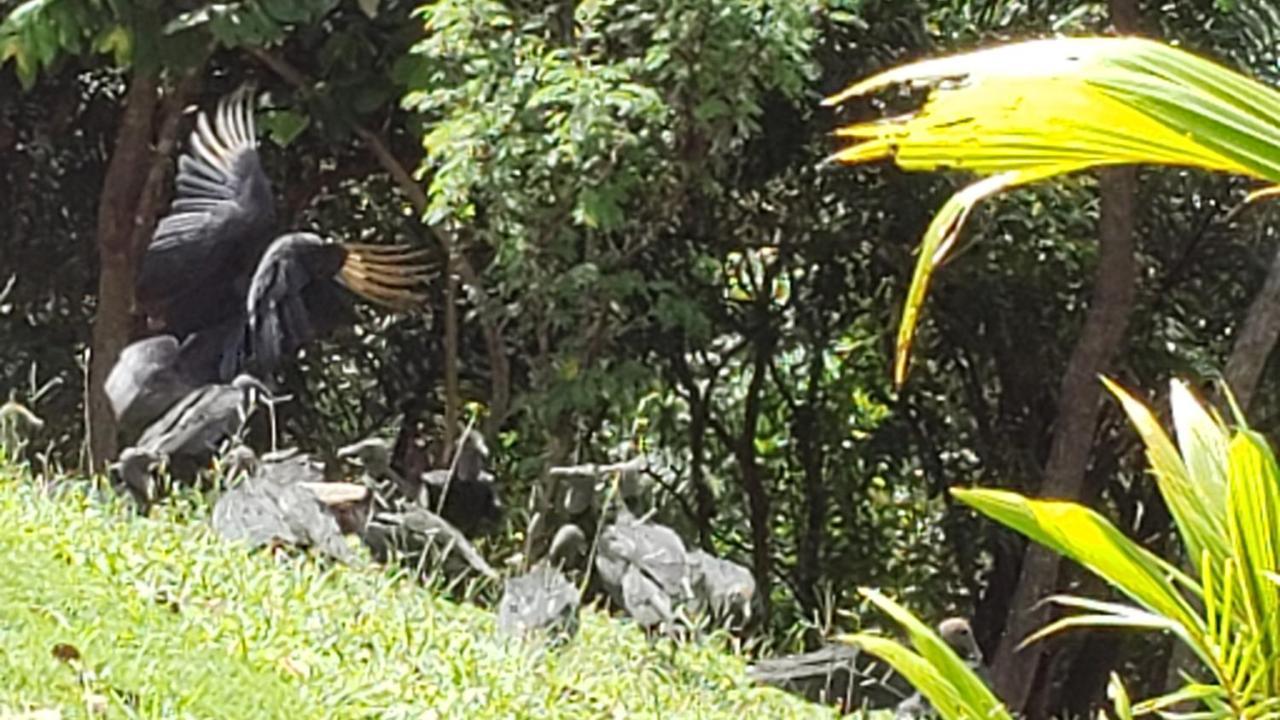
(170,622)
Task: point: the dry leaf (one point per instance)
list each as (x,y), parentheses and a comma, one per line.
(66,652)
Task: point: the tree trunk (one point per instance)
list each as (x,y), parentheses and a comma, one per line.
(452,396)
(1079,403)
(752,476)
(809,540)
(130,204)
(121,191)
(1257,338)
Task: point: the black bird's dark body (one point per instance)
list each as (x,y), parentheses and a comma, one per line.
(196,271)
(197,424)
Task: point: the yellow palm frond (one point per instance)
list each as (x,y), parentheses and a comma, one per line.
(1028,111)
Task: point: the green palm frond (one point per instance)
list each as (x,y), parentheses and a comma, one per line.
(1223,491)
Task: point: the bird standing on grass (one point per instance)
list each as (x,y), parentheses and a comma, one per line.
(187,436)
(281,501)
(646,570)
(543,598)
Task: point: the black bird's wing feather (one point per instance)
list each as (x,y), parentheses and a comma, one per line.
(221,217)
(279,320)
(197,423)
(296,294)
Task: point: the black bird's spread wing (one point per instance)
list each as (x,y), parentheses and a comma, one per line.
(295,295)
(154,373)
(221,217)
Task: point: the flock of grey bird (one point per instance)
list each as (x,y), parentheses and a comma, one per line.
(226,302)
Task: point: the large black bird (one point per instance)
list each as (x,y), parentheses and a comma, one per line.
(216,254)
(465,495)
(187,436)
(232,295)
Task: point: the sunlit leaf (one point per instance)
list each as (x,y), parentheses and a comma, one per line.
(1086,537)
(940,675)
(1027,111)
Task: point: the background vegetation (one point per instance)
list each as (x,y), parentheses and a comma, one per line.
(640,250)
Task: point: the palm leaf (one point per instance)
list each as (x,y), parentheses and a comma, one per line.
(1195,500)
(1082,535)
(1027,111)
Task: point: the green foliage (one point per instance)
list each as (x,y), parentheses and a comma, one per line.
(1223,490)
(158,618)
(254,23)
(634,301)
(37,32)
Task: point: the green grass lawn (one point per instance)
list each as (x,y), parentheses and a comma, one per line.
(167,621)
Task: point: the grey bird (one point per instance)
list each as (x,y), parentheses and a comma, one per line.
(957,633)
(836,675)
(422,539)
(543,599)
(274,504)
(724,589)
(188,435)
(646,570)
(133,473)
(216,260)
(373,456)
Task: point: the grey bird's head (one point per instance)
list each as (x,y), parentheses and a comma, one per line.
(568,546)
(245,382)
(373,454)
(240,460)
(134,468)
(472,457)
(957,633)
